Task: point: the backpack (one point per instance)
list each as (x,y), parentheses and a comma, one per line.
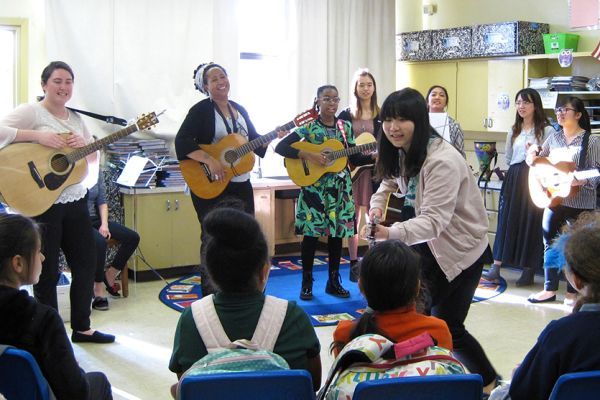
(242,355)
(372,356)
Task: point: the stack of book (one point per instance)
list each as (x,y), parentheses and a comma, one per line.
(162,169)
(540,83)
(569,83)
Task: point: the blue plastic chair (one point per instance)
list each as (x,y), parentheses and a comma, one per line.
(447,387)
(263,385)
(576,386)
(20,376)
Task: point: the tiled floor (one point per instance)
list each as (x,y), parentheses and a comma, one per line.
(137,364)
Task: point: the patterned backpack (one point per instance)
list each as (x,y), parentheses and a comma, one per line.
(242,355)
(372,356)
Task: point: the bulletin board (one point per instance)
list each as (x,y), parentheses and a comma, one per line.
(584,14)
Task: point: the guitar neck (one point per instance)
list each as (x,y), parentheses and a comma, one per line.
(264,139)
(80,153)
(352,150)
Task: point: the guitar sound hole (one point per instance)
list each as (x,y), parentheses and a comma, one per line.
(230,156)
(59,163)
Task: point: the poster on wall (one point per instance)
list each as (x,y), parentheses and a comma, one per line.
(584,14)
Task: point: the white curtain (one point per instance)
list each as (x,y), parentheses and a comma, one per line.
(136,56)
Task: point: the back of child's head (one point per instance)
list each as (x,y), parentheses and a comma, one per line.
(236,249)
(389,275)
(19,235)
(582,254)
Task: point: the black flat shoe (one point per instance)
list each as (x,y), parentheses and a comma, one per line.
(112,290)
(100,303)
(533,300)
(96,337)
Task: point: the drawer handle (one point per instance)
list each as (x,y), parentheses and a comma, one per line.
(168,205)
(176,205)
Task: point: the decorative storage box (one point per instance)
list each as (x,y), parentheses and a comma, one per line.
(451,43)
(508,38)
(413,46)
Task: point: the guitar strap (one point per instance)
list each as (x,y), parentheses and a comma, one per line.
(581,165)
(106,118)
(340,125)
(233,120)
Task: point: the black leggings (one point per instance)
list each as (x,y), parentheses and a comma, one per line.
(451,301)
(128,242)
(309,247)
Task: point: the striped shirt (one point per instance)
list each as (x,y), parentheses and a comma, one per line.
(557,149)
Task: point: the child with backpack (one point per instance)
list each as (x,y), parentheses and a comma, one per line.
(389,280)
(566,345)
(238,264)
(391,338)
(36,327)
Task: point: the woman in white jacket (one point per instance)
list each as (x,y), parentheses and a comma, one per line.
(450,226)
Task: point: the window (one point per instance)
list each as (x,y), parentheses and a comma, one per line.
(263,73)
(13,79)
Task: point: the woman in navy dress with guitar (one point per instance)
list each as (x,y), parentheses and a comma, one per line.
(574,143)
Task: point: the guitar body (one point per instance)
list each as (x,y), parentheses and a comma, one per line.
(305,173)
(198,177)
(33,176)
(393,210)
(549,182)
(356,172)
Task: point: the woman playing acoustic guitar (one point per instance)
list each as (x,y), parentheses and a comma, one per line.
(573,143)
(325,208)
(66,224)
(208,122)
(364,115)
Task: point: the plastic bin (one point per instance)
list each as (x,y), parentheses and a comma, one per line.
(556,42)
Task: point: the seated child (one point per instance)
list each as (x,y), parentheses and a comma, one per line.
(569,344)
(35,327)
(389,280)
(238,264)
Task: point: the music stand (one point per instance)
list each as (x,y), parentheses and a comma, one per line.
(128,178)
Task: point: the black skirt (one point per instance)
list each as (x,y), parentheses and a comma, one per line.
(519,232)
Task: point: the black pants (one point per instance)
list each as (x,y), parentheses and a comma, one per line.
(241,191)
(68,227)
(99,386)
(128,242)
(451,301)
(554,218)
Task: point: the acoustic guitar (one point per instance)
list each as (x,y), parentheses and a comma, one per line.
(305,173)
(32,176)
(550,182)
(356,172)
(236,153)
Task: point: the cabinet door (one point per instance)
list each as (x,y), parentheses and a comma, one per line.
(505,79)
(148,214)
(472,95)
(185,232)
(422,76)
(264,207)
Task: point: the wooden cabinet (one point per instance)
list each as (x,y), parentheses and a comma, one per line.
(167,224)
(481,92)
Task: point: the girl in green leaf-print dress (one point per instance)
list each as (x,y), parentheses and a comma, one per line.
(325,208)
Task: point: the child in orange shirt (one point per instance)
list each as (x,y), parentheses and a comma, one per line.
(389,279)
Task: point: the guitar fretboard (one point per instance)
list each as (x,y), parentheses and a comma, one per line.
(264,139)
(334,155)
(80,153)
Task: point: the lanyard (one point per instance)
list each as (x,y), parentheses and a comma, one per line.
(233,119)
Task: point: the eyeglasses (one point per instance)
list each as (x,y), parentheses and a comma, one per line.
(333,100)
(563,110)
(522,103)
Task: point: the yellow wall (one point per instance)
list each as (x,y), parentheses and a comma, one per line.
(453,13)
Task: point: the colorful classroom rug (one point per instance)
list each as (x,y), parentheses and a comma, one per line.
(284,282)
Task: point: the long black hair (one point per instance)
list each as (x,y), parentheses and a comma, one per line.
(389,278)
(236,249)
(408,104)
(539,117)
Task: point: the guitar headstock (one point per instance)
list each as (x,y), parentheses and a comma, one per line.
(147,120)
(307,116)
